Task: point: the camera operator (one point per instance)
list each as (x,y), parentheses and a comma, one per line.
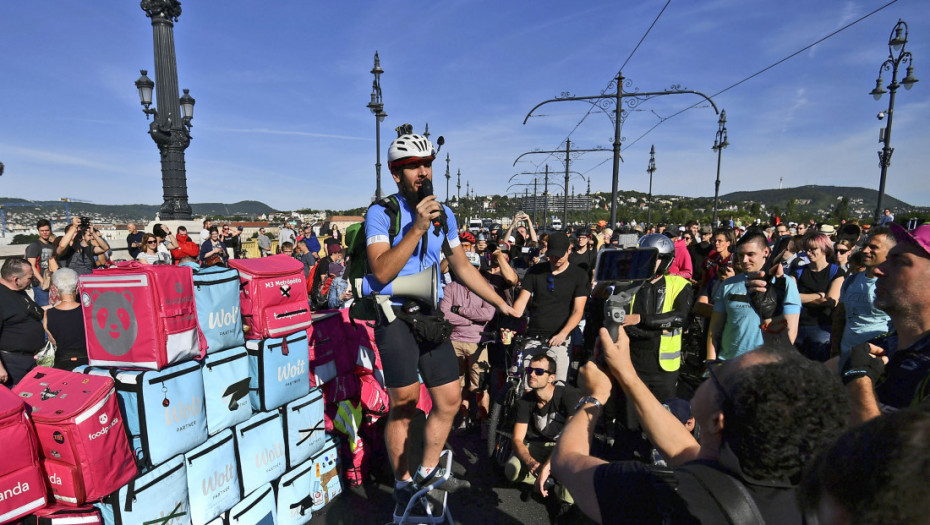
(521,224)
(748,462)
(658,312)
(80,245)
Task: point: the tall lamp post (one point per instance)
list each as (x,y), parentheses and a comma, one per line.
(650,169)
(448,176)
(616,100)
(720,143)
(376,106)
(170,127)
(897,41)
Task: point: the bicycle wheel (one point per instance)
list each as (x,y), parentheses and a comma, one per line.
(500,426)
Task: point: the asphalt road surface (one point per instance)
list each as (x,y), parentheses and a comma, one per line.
(491,499)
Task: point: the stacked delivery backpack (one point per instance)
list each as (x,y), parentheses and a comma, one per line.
(258,508)
(58,514)
(279,369)
(212,480)
(273,296)
(140,315)
(259,450)
(158,496)
(294,497)
(81,433)
(304,429)
(216,290)
(22,487)
(325,484)
(164,409)
(226,388)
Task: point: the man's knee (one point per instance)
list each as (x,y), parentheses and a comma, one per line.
(446,398)
(404,402)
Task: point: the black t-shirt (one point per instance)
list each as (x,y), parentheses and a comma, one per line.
(551,304)
(813,281)
(546,423)
(628,492)
(905,380)
(585,260)
(20,322)
(134,238)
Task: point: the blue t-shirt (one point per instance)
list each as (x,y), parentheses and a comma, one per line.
(377,226)
(741,331)
(863,320)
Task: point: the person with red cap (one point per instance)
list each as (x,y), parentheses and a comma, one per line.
(903,292)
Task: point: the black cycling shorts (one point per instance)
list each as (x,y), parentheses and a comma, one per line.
(402,357)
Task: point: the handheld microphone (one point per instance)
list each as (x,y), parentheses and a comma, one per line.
(426,189)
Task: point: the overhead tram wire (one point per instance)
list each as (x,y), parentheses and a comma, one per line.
(633,52)
(792,55)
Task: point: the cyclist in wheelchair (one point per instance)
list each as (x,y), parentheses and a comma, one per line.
(541,414)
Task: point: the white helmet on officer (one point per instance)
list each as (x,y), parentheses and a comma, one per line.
(666,250)
(409,148)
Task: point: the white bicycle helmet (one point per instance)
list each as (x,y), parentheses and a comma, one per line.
(665,246)
(409,148)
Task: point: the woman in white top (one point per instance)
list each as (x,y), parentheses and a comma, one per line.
(149,253)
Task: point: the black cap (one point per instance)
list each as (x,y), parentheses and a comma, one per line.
(557,245)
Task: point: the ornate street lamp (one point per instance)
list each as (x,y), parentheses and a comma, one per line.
(720,143)
(448,176)
(170,127)
(377,109)
(897,41)
(650,169)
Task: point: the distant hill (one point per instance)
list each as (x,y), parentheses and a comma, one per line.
(136,211)
(819,196)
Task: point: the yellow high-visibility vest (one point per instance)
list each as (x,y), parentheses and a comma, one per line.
(670,346)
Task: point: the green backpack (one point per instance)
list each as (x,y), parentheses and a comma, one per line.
(364,308)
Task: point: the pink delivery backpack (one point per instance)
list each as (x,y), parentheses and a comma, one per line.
(273,296)
(22,486)
(82,439)
(140,315)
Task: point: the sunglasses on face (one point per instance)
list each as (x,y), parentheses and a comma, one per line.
(842,252)
(151,242)
(538,371)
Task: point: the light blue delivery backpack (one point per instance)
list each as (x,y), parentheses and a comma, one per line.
(280,370)
(325,484)
(158,496)
(304,428)
(212,479)
(164,409)
(260,450)
(226,388)
(258,508)
(295,501)
(216,292)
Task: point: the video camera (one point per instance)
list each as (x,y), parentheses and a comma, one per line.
(625,271)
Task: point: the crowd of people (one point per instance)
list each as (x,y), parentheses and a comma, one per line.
(751,376)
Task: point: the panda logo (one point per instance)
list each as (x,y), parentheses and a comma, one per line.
(114,322)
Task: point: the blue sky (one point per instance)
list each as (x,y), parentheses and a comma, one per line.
(281,89)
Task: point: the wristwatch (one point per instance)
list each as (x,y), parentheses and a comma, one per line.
(588,399)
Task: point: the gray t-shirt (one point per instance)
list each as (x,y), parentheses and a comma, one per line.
(41,251)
